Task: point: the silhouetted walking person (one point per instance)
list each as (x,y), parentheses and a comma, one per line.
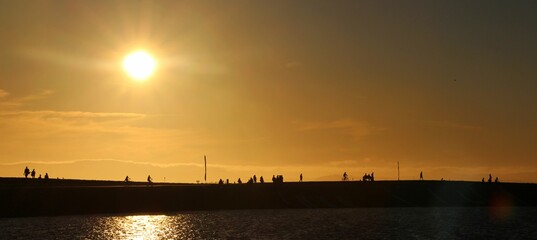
(255,179)
(26,172)
(33,173)
(490,178)
(345,176)
(261,180)
(421,175)
(46,176)
(239,181)
(127,179)
(301,177)
(482,179)
(496,180)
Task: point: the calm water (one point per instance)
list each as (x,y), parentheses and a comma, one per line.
(394,223)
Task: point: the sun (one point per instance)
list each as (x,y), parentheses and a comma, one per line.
(139,65)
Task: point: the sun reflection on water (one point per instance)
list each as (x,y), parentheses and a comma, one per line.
(145,227)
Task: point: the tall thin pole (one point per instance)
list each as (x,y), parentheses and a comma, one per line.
(205,160)
(397,170)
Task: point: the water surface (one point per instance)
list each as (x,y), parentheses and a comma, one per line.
(364,223)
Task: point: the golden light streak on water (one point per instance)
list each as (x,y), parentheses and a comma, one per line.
(141,227)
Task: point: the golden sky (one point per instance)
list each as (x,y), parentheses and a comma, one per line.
(270,87)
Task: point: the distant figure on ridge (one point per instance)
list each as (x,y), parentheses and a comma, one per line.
(221,182)
(273,178)
(149,180)
(421,175)
(239,181)
(255,179)
(46,176)
(33,173)
(39,176)
(250,181)
(26,172)
(372,177)
(127,179)
(482,179)
(227,181)
(496,180)
(345,176)
(261,180)
(490,178)
(301,177)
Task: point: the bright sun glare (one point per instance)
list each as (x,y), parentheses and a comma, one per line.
(139,65)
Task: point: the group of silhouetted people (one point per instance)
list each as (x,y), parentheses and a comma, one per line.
(227,181)
(253,180)
(277,179)
(32,173)
(369,177)
(490,179)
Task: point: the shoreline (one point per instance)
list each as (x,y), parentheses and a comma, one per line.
(33,197)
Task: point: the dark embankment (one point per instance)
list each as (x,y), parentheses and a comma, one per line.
(22,197)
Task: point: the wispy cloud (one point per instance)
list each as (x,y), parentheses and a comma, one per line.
(3,93)
(294,64)
(6,101)
(71,115)
(349,126)
(454,125)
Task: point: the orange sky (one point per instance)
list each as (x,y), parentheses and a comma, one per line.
(312,87)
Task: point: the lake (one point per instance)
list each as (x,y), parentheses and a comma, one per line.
(359,223)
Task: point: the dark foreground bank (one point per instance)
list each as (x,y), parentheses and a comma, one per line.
(21,197)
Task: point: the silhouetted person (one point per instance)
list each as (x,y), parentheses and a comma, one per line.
(301,177)
(482,179)
(372,176)
(39,176)
(261,180)
(255,179)
(26,172)
(46,176)
(127,179)
(273,178)
(221,182)
(345,176)
(250,181)
(33,173)
(490,178)
(239,181)
(496,180)
(149,180)
(421,175)
(227,181)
